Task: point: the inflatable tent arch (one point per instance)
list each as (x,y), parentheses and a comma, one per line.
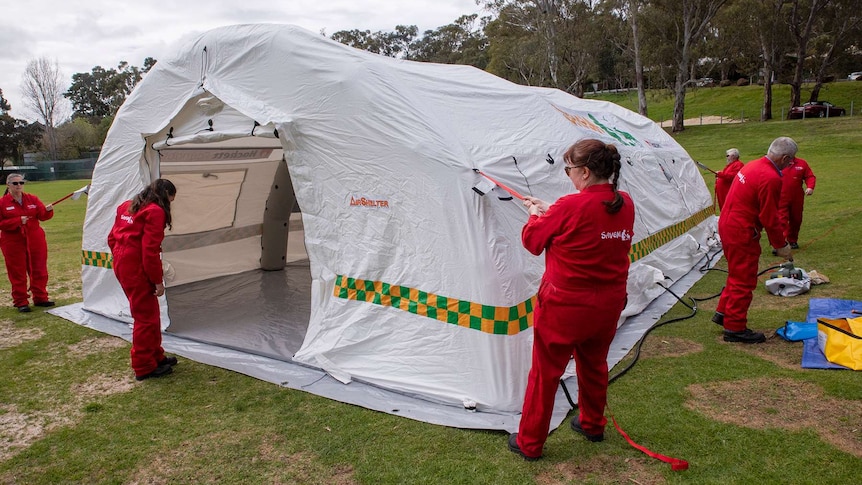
(397,273)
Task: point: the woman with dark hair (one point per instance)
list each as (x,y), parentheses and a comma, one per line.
(586,238)
(136,246)
(23,243)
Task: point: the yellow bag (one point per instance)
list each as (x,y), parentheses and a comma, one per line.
(841,341)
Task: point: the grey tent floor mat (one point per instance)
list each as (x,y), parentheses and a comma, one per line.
(260,312)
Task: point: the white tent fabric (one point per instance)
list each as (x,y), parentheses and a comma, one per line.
(418,284)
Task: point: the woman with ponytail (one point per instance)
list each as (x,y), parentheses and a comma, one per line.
(586,238)
(136,246)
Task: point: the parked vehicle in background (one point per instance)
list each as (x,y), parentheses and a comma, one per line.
(815,109)
(855,76)
(705,82)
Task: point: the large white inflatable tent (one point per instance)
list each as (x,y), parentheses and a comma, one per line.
(329,213)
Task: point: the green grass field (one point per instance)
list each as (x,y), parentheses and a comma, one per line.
(70,411)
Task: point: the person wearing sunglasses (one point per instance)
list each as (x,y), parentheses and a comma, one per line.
(586,238)
(23,242)
(725,176)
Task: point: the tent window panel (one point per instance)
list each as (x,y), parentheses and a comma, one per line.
(205,200)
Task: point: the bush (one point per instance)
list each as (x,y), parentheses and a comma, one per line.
(743,81)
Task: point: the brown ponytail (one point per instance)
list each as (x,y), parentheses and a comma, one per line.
(601,158)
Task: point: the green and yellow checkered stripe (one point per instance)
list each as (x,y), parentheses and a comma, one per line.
(668,234)
(485,318)
(96,258)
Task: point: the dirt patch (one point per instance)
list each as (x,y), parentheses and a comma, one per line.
(286,467)
(96,345)
(784,404)
(780,352)
(702,120)
(603,469)
(668,347)
(12,336)
(19,430)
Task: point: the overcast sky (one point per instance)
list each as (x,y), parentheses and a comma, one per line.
(82,34)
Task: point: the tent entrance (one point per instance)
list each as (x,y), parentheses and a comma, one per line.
(240,272)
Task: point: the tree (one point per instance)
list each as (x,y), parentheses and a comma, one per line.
(457,43)
(836,28)
(76,137)
(101,92)
(391,44)
(14,133)
(688,21)
(4,104)
(42,86)
(803,16)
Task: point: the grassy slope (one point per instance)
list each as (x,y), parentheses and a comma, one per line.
(204,424)
(736,102)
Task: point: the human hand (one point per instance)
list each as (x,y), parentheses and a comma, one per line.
(49,207)
(160,289)
(809,191)
(785,252)
(24,220)
(535,205)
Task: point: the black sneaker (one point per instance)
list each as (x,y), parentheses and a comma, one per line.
(171,361)
(746,336)
(46,303)
(24,309)
(718,318)
(160,371)
(576,427)
(794,245)
(514,448)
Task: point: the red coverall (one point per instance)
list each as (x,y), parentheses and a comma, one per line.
(793,196)
(135,242)
(24,247)
(751,206)
(582,294)
(724,178)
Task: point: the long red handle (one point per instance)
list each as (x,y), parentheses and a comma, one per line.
(514,193)
(64,198)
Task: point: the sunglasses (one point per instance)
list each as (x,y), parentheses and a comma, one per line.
(568,168)
(17,183)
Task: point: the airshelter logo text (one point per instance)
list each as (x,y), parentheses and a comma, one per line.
(368,202)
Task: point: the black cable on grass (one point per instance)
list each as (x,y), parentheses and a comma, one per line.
(692,307)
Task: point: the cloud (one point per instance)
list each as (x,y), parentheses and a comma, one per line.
(82,34)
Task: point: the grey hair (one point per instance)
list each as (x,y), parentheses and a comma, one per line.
(13,175)
(733,152)
(783,146)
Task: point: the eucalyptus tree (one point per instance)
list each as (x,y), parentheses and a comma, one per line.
(687,22)
(801,20)
(838,29)
(461,42)
(392,44)
(552,43)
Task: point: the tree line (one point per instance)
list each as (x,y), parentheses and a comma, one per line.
(573,45)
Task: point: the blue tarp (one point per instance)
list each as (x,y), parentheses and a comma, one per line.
(812,356)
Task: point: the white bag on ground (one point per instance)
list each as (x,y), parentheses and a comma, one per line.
(783,286)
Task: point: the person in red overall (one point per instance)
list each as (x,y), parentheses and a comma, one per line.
(136,245)
(23,243)
(725,177)
(751,206)
(793,196)
(586,238)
